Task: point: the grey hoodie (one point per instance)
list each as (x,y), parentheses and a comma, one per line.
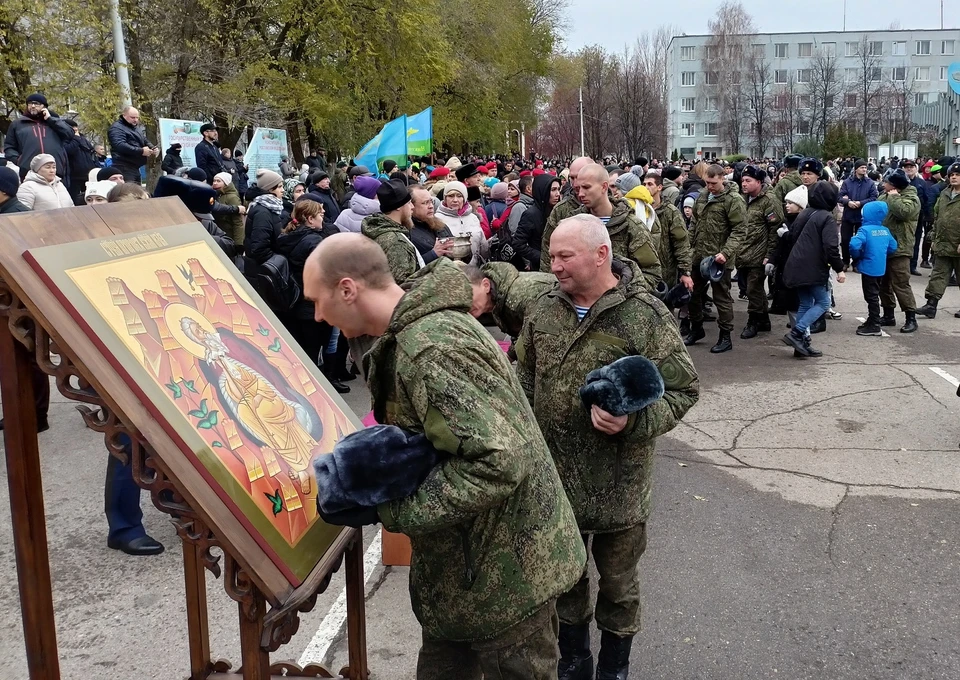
(518,209)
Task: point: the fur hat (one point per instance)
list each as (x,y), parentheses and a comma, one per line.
(811,165)
(953,169)
(9,181)
(797,196)
(38,98)
(626,386)
(392,195)
(753,172)
(224,177)
(197,196)
(898,180)
(626,182)
(269,180)
(467,171)
(792,161)
(40,160)
(671,172)
(366,186)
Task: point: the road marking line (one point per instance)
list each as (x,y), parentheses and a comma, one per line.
(883,333)
(330,627)
(946,376)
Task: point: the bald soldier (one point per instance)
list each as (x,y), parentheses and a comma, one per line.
(494,538)
(569,205)
(599,312)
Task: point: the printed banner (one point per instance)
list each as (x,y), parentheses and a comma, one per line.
(265,150)
(420,133)
(183,132)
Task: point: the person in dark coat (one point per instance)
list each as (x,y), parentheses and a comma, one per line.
(816,249)
(9,184)
(207,152)
(198,197)
(428,234)
(529,236)
(171,160)
(320,191)
(856,191)
(129,146)
(37,131)
(82,158)
(243,179)
(267,217)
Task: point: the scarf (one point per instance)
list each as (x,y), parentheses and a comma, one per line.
(270,202)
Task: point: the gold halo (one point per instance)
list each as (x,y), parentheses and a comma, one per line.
(172,316)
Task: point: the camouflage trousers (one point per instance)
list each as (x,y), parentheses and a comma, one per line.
(526,651)
(940,276)
(756,293)
(616,556)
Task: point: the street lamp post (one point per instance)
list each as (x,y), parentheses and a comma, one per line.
(120,53)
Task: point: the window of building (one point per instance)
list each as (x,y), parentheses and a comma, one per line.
(873,127)
(712,104)
(781,50)
(875,48)
(923,47)
(688,129)
(780,76)
(853,49)
(688,79)
(803,127)
(851,75)
(921,98)
(898,73)
(874,74)
(781,101)
(850,101)
(900,48)
(947,47)
(735,77)
(922,73)
(711,51)
(828,102)
(711,78)
(688,53)
(829,49)
(803,101)
(780,127)
(804,50)
(803,75)
(688,104)
(943,72)
(759,50)
(710,129)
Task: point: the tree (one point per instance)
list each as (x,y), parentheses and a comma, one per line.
(785,115)
(723,58)
(599,74)
(824,90)
(869,82)
(759,96)
(639,94)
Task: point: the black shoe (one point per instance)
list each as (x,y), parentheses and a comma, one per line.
(795,340)
(811,352)
(871,328)
(743,295)
(929,310)
(763,323)
(344,376)
(139,546)
(956,315)
(613,661)
(915,272)
(340,387)
(576,659)
(707,316)
(926,265)
(820,325)
(953,280)
(724,344)
(911,324)
(696,333)
(684,327)
(750,330)
(42,424)
(889,318)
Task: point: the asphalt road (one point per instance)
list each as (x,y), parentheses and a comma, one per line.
(804,526)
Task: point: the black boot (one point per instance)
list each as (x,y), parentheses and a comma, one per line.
(929,310)
(613,661)
(327,370)
(576,659)
(750,330)
(889,318)
(724,344)
(707,315)
(911,324)
(684,326)
(871,327)
(763,323)
(820,325)
(696,333)
(811,352)
(795,339)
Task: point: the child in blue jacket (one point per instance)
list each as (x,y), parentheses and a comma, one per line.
(870,247)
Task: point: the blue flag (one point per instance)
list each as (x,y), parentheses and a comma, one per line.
(420,133)
(390,142)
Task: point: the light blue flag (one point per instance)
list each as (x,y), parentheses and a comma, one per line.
(420,133)
(390,142)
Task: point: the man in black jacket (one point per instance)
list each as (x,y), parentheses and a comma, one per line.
(529,236)
(429,235)
(207,152)
(37,131)
(320,191)
(172,160)
(82,159)
(129,145)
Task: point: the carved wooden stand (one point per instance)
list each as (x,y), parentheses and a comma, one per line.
(26,340)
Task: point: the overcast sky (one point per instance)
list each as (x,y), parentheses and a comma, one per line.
(618,24)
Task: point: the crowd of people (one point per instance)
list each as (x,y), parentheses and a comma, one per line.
(601,274)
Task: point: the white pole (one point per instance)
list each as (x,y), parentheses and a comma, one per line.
(582,151)
(120,53)
(523,140)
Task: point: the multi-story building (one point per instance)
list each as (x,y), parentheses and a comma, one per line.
(804,82)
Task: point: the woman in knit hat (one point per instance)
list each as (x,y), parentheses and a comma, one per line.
(457,213)
(266,218)
(785,300)
(232,224)
(41,188)
(498,201)
(362,204)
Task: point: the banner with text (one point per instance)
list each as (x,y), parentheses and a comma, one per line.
(265,150)
(420,133)
(183,132)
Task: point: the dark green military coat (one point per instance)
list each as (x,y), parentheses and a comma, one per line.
(514,293)
(674,252)
(718,226)
(396,243)
(494,537)
(789,182)
(764,216)
(903,211)
(946,224)
(606,477)
(567,207)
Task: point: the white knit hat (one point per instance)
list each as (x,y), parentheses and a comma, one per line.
(224,177)
(798,196)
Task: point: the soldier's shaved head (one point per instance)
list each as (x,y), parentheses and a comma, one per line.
(580,257)
(590,230)
(579,164)
(348,256)
(594,172)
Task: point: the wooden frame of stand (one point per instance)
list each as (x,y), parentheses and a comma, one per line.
(35,328)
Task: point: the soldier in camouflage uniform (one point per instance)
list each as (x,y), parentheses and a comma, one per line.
(717,228)
(946,242)
(790,181)
(505,293)
(568,206)
(600,312)
(494,538)
(630,237)
(674,251)
(764,216)
(903,211)
(391,227)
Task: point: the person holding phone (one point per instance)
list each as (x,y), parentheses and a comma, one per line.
(37,131)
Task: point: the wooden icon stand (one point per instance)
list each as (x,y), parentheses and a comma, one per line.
(35,327)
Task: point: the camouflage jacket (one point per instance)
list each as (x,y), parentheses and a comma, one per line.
(670,193)
(629,237)
(903,211)
(396,243)
(493,534)
(607,478)
(946,224)
(567,207)
(718,225)
(764,216)
(788,183)
(513,293)
(675,254)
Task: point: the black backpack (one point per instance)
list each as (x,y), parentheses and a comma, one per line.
(273,282)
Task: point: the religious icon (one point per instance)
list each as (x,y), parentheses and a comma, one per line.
(219,370)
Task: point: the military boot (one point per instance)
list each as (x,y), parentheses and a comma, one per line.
(613,662)
(820,325)
(795,339)
(911,324)
(750,330)
(724,344)
(763,323)
(696,333)
(684,326)
(811,352)
(889,318)
(929,310)
(576,659)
